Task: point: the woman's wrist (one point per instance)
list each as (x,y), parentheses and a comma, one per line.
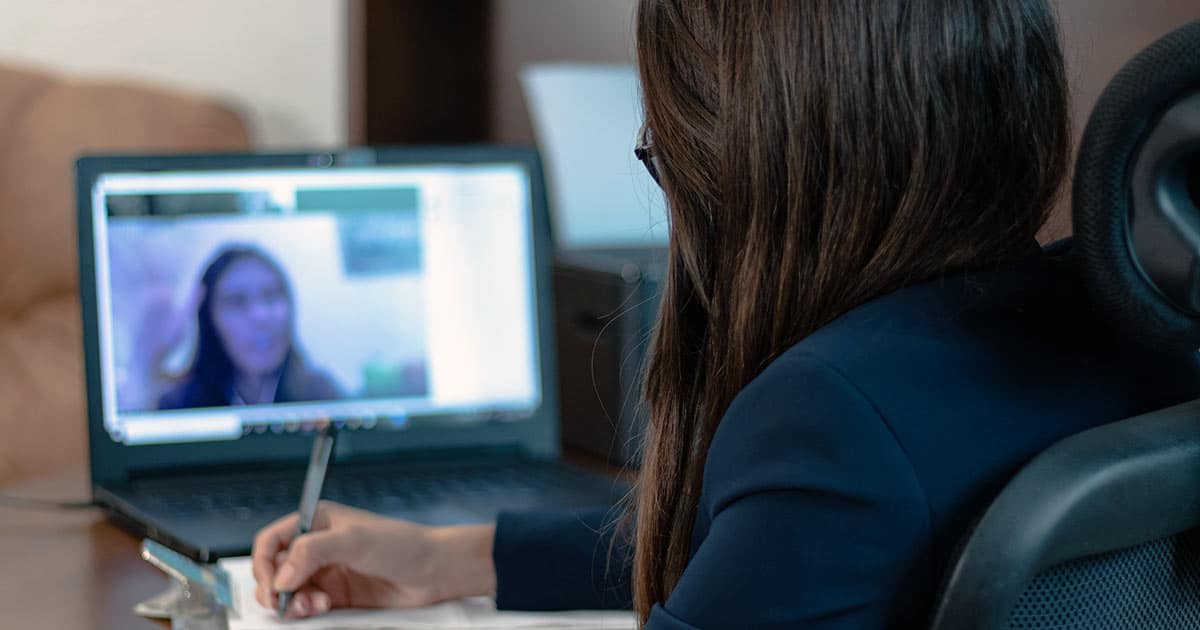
(462,563)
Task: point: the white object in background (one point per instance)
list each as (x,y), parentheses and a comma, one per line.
(475,613)
(586,118)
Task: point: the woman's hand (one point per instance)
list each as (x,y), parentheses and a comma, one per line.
(357,559)
(164,323)
(161,326)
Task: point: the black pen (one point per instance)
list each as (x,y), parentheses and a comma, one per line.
(314,478)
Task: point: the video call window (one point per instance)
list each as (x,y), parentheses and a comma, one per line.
(220,311)
(260,299)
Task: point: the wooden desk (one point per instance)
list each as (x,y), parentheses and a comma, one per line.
(70,569)
(73,569)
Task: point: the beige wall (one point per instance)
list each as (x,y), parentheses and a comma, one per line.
(1099,36)
(280,63)
(530,31)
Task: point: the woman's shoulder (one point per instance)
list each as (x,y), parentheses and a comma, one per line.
(845,400)
(913,332)
(804,485)
(803,424)
(1025,298)
(939,391)
(173,398)
(303,381)
(184,394)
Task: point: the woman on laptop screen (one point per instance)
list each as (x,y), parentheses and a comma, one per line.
(860,339)
(246,351)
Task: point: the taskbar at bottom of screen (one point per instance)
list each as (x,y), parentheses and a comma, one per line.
(229,424)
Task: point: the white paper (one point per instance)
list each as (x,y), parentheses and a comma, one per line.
(476,613)
(586,118)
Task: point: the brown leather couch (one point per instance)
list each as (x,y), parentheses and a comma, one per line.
(45,122)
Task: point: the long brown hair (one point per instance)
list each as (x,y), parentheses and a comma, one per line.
(816,154)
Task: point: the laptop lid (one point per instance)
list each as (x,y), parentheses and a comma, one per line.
(233,302)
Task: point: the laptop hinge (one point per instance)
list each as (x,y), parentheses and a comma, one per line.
(473,454)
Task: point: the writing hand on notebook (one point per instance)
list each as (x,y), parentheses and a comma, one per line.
(356,559)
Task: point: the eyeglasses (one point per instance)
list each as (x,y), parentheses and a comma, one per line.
(644,152)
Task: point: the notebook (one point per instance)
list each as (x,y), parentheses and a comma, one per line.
(234,303)
(475,613)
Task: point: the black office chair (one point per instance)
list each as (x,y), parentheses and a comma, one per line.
(1102,530)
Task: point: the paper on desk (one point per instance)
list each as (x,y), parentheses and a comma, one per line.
(476,613)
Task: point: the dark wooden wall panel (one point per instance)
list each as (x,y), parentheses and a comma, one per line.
(419,71)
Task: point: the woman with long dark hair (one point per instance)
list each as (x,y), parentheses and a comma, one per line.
(246,351)
(860,339)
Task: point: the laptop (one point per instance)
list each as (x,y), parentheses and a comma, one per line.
(235,304)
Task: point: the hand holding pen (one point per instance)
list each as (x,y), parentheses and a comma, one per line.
(356,559)
(310,495)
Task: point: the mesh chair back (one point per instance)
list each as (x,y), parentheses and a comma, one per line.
(1096,532)
(1153,586)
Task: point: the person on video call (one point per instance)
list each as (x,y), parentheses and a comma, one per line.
(246,351)
(860,340)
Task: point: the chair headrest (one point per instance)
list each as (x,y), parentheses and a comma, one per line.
(1137,195)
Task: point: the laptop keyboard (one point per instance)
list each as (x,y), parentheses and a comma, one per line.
(485,488)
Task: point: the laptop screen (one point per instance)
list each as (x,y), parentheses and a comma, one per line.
(232,303)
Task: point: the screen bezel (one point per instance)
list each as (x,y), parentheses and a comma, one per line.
(115,463)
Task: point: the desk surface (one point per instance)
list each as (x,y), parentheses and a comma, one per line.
(75,569)
(70,569)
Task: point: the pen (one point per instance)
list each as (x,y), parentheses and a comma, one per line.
(314,478)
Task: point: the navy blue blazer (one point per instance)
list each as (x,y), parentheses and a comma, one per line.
(841,480)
